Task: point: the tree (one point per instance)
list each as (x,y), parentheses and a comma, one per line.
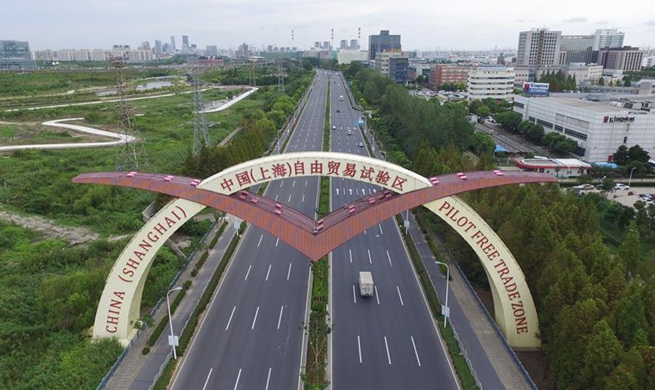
(474,105)
(483,112)
(509,120)
(601,81)
(535,133)
(483,143)
(637,153)
(420,79)
(602,355)
(621,156)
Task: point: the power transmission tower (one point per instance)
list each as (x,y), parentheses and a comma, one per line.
(280,78)
(200,125)
(130,152)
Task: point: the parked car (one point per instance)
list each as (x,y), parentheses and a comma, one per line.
(585,187)
(645,197)
(621,187)
(361,144)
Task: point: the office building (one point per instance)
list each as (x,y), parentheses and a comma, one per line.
(495,82)
(625,58)
(158,47)
(382,60)
(185,40)
(348,56)
(384,42)
(173,48)
(523,74)
(212,51)
(317,45)
(398,69)
(343,45)
(584,73)
(16,55)
(612,38)
(354,44)
(576,49)
(448,73)
(599,128)
(539,47)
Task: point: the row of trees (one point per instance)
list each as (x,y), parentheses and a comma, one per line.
(589,262)
(558,82)
(513,121)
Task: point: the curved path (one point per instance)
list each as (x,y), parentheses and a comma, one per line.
(120,138)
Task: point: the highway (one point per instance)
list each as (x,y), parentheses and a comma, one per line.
(251,336)
(388,341)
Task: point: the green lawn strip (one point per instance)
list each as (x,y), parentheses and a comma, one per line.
(459,361)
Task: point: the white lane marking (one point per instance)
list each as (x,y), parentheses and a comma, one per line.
(279,319)
(230,320)
(369,256)
(289,201)
(357,191)
(337,191)
(375,191)
(268,379)
(377,297)
(364,232)
(269,272)
(289,271)
(305,183)
(293,184)
(281,183)
(359,348)
(380,226)
(238,376)
(260,240)
(416,352)
(389,257)
(303,198)
(387,346)
(354,296)
(277,241)
(351,191)
(254,320)
(400,296)
(369,191)
(276,197)
(350,252)
(207,380)
(248,273)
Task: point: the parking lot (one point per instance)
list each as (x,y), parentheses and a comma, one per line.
(626,197)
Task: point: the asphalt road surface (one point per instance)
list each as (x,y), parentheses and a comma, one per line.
(388,341)
(251,337)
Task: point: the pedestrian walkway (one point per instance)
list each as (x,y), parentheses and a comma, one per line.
(138,371)
(493,364)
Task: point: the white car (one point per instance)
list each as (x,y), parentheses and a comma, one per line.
(621,187)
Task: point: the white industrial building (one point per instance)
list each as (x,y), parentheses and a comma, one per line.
(348,56)
(495,82)
(599,128)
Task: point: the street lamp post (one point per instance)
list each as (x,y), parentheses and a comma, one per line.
(630,179)
(445,308)
(170,320)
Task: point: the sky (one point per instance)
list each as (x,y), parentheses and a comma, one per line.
(423,24)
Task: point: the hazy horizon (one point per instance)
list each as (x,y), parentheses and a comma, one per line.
(467,26)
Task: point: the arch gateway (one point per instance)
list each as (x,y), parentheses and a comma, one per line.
(118,309)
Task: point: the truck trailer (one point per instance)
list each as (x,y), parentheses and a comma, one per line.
(366,286)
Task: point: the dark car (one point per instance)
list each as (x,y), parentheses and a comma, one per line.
(338,110)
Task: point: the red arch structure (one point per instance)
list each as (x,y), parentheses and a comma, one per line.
(313,239)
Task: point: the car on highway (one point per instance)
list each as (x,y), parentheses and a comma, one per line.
(621,187)
(350,132)
(361,144)
(334,127)
(338,110)
(585,187)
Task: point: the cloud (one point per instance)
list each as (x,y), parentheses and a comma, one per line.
(650,23)
(604,21)
(579,19)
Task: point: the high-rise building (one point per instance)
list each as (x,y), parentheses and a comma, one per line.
(354,44)
(158,47)
(173,43)
(317,45)
(343,45)
(212,51)
(166,48)
(398,69)
(576,49)
(624,58)
(326,45)
(16,55)
(539,47)
(384,42)
(608,38)
(185,40)
(495,82)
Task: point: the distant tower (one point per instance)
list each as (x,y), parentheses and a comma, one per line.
(130,152)
(331,38)
(200,125)
(280,78)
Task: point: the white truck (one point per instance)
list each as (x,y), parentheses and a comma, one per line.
(366,286)
(341,97)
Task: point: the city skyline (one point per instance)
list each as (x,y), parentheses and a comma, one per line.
(72,24)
